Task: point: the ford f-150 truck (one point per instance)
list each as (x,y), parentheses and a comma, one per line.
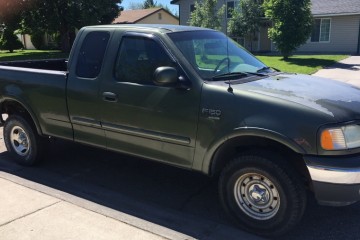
(193,98)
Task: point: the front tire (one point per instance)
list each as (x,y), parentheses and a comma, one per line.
(22,140)
(262,196)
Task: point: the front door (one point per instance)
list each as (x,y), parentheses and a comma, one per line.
(142,118)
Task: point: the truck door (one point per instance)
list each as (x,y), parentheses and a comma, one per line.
(141,118)
(83,87)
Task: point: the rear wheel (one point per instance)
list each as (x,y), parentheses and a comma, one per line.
(264,197)
(22,140)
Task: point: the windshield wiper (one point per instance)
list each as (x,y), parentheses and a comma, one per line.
(236,75)
(267,68)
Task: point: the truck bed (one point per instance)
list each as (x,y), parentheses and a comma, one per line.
(40,83)
(46,64)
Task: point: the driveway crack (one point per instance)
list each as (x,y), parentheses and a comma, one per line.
(28,214)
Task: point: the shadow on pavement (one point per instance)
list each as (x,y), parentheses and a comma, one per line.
(181,200)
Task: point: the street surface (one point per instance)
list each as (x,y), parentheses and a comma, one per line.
(169,198)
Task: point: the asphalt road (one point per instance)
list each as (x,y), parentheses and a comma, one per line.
(174,198)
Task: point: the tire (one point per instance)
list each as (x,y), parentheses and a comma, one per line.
(22,141)
(262,196)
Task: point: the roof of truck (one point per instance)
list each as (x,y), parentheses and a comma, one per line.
(154,27)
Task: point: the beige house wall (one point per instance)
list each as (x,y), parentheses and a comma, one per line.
(344,33)
(26,41)
(160,17)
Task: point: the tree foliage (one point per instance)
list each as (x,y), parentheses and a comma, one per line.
(292,23)
(206,14)
(10,16)
(65,16)
(9,41)
(246,19)
(149,4)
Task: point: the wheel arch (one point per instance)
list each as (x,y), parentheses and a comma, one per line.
(251,140)
(10,105)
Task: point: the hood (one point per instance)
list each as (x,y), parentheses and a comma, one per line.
(338,100)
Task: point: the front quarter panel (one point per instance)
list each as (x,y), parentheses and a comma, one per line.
(225,115)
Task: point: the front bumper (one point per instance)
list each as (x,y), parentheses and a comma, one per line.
(336,180)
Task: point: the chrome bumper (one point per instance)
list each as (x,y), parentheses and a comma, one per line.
(335,180)
(334,175)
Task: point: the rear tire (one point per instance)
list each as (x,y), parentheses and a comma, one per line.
(22,141)
(262,196)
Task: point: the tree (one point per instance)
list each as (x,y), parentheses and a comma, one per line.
(149,4)
(246,20)
(206,15)
(65,16)
(136,6)
(10,15)
(292,23)
(9,41)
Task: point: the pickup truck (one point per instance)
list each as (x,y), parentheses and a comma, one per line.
(194,98)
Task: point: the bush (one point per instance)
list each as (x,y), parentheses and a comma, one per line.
(9,41)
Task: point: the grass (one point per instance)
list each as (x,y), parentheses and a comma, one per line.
(306,64)
(31,54)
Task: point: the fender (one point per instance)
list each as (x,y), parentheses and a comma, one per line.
(22,102)
(248,132)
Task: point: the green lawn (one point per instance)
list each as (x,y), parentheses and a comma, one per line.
(31,54)
(307,64)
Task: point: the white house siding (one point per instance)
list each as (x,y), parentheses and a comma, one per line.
(344,33)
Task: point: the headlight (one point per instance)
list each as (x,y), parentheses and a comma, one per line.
(340,138)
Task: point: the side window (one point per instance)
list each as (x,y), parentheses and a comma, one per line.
(92,54)
(138,58)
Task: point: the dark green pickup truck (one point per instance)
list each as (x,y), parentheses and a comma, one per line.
(193,98)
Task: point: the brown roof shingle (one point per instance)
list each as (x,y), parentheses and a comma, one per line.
(133,16)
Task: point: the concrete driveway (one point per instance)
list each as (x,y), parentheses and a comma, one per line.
(347,70)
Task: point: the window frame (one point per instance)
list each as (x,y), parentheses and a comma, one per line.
(321,20)
(103,57)
(147,36)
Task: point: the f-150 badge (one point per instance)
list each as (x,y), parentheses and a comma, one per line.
(211,113)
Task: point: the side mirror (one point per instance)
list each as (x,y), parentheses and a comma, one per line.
(165,76)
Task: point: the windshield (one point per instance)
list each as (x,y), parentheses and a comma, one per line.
(213,54)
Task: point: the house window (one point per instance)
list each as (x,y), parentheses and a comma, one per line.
(192,8)
(159,16)
(321,30)
(230,6)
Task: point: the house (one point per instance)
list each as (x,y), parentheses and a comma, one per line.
(336,26)
(146,16)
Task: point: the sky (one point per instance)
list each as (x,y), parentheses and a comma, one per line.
(173,8)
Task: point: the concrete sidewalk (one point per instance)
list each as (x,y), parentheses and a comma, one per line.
(29,214)
(347,71)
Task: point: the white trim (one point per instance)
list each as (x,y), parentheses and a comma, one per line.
(334,14)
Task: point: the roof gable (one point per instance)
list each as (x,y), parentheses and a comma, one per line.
(333,7)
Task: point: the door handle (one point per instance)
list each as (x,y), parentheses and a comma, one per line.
(110,97)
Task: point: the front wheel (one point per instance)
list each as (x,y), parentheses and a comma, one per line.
(264,197)
(22,140)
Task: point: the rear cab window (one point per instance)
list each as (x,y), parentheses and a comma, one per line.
(92,54)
